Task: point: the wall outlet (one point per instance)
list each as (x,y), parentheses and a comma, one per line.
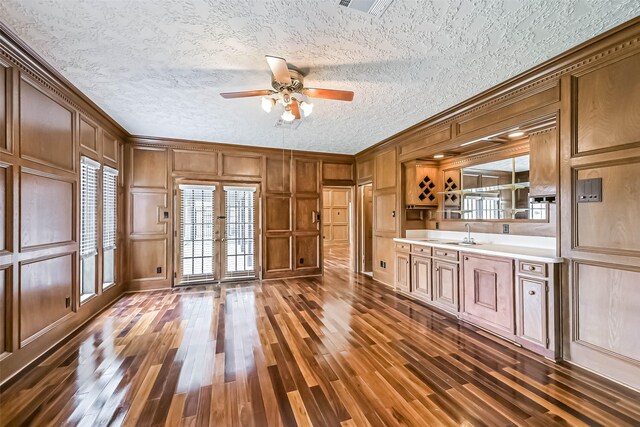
(159,270)
(505,228)
(301,261)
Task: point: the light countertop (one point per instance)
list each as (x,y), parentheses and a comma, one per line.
(517,252)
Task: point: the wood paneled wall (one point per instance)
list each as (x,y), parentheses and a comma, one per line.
(594,90)
(45,127)
(290,202)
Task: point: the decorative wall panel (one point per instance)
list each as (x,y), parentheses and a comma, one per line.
(88,135)
(195,161)
(46,214)
(46,288)
(146,256)
(608,106)
(149,168)
(611,225)
(277,253)
(146,213)
(607,313)
(3,107)
(109,146)
(46,128)
(245,166)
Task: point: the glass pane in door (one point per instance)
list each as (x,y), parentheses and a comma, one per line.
(196,232)
(239,231)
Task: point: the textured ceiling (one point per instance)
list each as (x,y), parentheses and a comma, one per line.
(157,66)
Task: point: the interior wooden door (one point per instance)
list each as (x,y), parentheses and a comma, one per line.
(335,206)
(489,292)
(366,232)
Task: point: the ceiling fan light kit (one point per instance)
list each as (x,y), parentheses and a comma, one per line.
(289,90)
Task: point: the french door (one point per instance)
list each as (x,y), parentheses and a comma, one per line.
(216,232)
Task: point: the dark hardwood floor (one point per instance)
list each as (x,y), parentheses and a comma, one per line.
(341,349)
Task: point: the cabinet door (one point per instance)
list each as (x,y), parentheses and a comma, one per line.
(402,271)
(445,285)
(421,277)
(532,310)
(488,292)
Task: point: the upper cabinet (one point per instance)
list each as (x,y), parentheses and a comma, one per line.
(421,184)
(543,173)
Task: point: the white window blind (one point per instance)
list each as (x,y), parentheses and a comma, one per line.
(109,207)
(88,207)
(196,232)
(239,233)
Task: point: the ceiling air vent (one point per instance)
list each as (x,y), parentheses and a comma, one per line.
(372,7)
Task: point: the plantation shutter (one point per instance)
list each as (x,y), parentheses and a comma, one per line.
(109,207)
(88,207)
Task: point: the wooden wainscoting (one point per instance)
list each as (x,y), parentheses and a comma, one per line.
(601,139)
(290,203)
(45,126)
(594,91)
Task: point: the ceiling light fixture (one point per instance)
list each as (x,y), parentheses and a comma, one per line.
(306,107)
(487,138)
(438,156)
(288,116)
(516,134)
(268,103)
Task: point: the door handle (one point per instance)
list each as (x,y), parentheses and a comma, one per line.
(532,292)
(314,217)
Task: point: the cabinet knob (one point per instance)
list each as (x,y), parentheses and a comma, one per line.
(532,292)
(466,258)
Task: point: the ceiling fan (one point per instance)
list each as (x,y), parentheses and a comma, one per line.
(288,90)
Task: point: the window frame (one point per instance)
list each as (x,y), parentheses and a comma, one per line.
(88,164)
(109,243)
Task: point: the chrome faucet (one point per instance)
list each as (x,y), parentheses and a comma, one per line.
(468,240)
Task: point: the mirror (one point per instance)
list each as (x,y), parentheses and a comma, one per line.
(498,190)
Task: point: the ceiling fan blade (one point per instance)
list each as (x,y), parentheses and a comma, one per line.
(339,95)
(279,69)
(245,94)
(295,108)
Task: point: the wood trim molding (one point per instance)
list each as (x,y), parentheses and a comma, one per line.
(20,55)
(616,41)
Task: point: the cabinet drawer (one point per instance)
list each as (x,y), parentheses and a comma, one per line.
(532,268)
(422,250)
(445,254)
(404,247)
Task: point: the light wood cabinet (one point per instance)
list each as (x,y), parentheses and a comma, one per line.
(532,322)
(403,272)
(445,285)
(488,293)
(421,276)
(543,174)
(420,184)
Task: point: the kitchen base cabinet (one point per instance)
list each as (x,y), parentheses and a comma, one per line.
(531,322)
(488,293)
(421,277)
(403,272)
(445,285)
